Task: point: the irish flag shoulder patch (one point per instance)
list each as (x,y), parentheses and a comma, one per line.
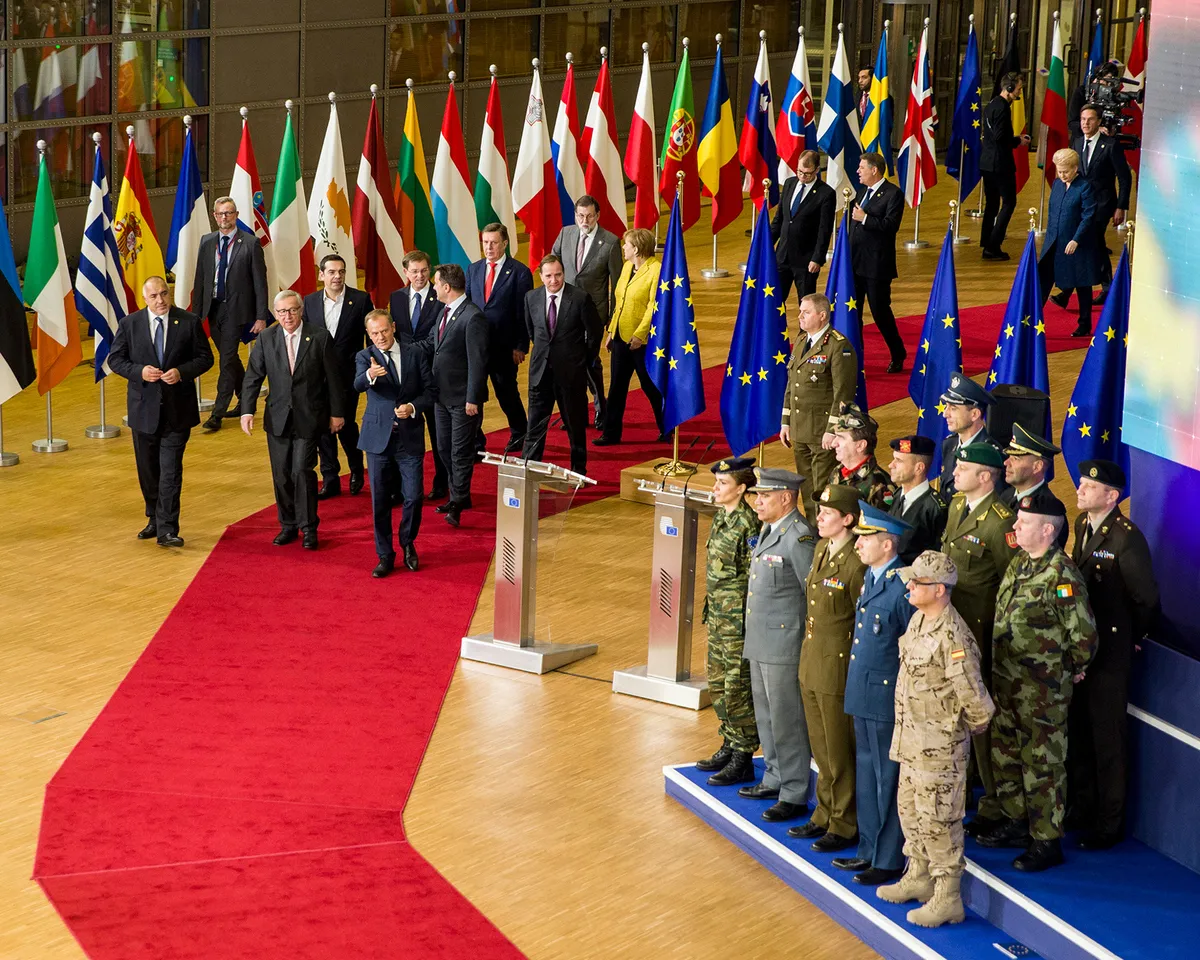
(1064,591)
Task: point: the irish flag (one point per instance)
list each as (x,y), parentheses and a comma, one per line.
(412,188)
(493,195)
(295,268)
(48,291)
(1055,134)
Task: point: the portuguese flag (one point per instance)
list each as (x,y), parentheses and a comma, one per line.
(679,147)
(412,189)
(1055,134)
(48,291)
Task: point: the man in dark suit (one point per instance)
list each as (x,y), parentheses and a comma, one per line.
(565,330)
(231,293)
(1102,163)
(592,261)
(398,383)
(497,285)
(160,350)
(460,379)
(416,311)
(342,312)
(874,223)
(864,96)
(307,398)
(915,502)
(998,167)
(802,227)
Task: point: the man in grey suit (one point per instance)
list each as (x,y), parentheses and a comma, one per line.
(776,609)
(231,294)
(592,261)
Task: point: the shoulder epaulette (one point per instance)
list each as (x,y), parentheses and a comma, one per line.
(1125,522)
(1001,510)
(836,335)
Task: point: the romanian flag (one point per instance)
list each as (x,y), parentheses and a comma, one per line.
(717,156)
(137,244)
(412,189)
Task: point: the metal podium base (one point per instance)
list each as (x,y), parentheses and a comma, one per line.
(691,694)
(49,445)
(102,431)
(537,658)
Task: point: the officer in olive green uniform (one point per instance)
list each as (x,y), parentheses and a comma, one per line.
(822,372)
(855,436)
(979,539)
(731,538)
(1045,637)
(1027,462)
(834,584)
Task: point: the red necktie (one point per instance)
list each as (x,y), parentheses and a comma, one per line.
(491,279)
(442,325)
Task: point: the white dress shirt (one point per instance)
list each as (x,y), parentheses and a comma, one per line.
(912,496)
(333,310)
(232,235)
(814,337)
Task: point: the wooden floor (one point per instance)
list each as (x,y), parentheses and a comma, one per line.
(540,798)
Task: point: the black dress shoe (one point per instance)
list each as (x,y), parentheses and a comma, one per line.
(874,876)
(1041,855)
(759,792)
(603,441)
(857,864)
(739,769)
(211,425)
(1081,331)
(284,537)
(598,423)
(170,540)
(1009,833)
(1060,299)
(991,254)
(1094,840)
(981,825)
(717,761)
(445,507)
(896,366)
(783,810)
(454,514)
(410,558)
(806,831)
(329,488)
(832,842)
(148,532)
(356,482)
(438,493)
(310,540)
(383,567)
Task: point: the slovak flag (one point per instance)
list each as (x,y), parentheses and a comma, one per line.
(796,129)
(756,148)
(916,166)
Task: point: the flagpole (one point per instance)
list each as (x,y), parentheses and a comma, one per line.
(49,443)
(1039,232)
(716,273)
(102,430)
(916,243)
(207,405)
(6,459)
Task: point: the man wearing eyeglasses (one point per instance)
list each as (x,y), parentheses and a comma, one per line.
(803,227)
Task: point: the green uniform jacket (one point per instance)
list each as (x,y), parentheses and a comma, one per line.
(819,380)
(981,544)
(731,538)
(834,584)
(870,480)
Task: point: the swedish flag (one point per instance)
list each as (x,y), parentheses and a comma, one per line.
(673,350)
(847,316)
(877,122)
(755,380)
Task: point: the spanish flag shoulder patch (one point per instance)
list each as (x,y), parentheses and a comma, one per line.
(1064,591)
(959,654)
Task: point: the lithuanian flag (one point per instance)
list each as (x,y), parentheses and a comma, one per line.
(412,189)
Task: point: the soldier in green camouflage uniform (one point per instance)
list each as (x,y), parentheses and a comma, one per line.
(731,538)
(855,436)
(1044,638)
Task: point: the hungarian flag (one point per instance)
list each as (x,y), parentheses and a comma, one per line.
(413,202)
(17,370)
(137,240)
(602,175)
(493,195)
(376,221)
(1055,133)
(534,192)
(48,288)
(640,151)
(246,191)
(1135,73)
(679,147)
(329,206)
(294,264)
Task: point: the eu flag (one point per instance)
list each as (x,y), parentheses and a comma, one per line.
(847,318)
(755,379)
(962,157)
(673,350)
(1092,429)
(1095,58)
(940,355)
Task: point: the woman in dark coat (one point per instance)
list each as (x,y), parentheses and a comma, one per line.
(1069,255)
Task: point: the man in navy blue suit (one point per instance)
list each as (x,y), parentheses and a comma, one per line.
(497,285)
(398,383)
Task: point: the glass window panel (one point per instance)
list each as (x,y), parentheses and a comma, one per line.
(701,23)
(509,43)
(61,80)
(343,74)
(425,51)
(633,27)
(136,16)
(780,18)
(70,152)
(257,13)
(162,74)
(579,32)
(73,18)
(503,4)
(160,152)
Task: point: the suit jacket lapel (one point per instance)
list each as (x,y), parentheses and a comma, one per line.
(1096,540)
(302,341)
(501,277)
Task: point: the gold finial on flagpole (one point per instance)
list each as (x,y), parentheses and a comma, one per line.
(1033,218)
(953,211)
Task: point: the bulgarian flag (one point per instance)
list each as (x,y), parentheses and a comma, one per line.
(295,267)
(412,188)
(48,291)
(376,222)
(493,195)
(1055,133)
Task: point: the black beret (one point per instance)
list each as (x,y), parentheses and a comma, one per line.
(1103,471)
(922,446)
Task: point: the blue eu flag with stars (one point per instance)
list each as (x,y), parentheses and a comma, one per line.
(962,156)
(756,376)
(847,317)
(1020,356)
(940,354)
(1092,429)
(673,350)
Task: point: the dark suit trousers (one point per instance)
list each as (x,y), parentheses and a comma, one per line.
(571,396)
(294,475)
(877,779)
(387,470)
(227,337)
(456,433)
(1098,730)
(327,447)
(623,364)
(503,374)
(879,296)
(1046,280)
(999,202)
(441,478)
(804,282)
(159,458)
(595,386)
(1101,241)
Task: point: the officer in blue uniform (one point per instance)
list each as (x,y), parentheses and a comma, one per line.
(881,618)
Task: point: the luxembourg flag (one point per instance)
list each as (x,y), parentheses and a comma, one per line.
(564,148)
(916,166)
(534,193)
(189,223)
(796,130)
(837,133)
(453,208)
(246,191)
(640,151)
(756,148)
(603,176)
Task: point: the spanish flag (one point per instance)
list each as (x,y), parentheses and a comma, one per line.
(133,228)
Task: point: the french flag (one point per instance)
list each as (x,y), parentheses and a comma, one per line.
(756,148)
(796,130)
(603,177)
(189,223)
(564,148)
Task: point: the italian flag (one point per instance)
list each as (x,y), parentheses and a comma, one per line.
(493,196)
(295,267)
(48,291)
(1055,134)
(412,188)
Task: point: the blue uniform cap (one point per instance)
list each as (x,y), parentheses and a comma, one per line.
(873,520)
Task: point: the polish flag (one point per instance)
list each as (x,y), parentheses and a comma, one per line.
(602,176)
(640,151)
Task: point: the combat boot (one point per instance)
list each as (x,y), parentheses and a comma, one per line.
(1041,855)
(739,769)
(1008,833)
(945,907)
(916,884)
(717,760)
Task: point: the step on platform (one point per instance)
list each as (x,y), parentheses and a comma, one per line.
(1128,903)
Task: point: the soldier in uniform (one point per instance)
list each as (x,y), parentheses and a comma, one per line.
(965,406)
(915,501)
(834,583)
(940,702)
(1027,464)
(775,605)
(733,535)
(1114,559)
(822,373)
(1044,639)
(854,438)
(979,539)
(883,614)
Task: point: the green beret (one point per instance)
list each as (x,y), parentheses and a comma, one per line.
(982,453)
(841,497)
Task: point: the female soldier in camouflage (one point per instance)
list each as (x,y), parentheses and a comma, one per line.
(730,540)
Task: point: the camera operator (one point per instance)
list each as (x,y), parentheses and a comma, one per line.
(1101,87)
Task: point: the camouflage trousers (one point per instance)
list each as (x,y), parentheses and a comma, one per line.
(931,804)
(1029,756)
(729,687)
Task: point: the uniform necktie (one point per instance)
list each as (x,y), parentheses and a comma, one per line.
(491,279)
(1087,530)
(222,264)
(442,325)
(579,253)
(291,345)
(552,314)
(416,311)
(158,339)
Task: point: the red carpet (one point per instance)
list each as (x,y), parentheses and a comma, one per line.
(241,794)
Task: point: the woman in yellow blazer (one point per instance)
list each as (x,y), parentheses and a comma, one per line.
(628,332)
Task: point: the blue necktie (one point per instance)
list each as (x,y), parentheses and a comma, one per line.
(797,198)
(416,311)
(391,367)
(222,263)
(158,339)
(868,580)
